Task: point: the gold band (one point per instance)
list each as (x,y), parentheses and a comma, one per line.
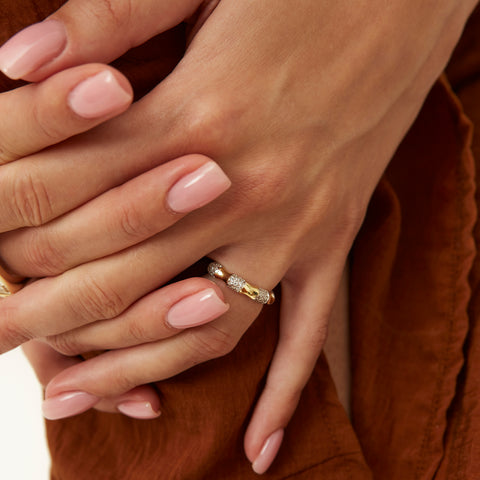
(9,284)
(240,285)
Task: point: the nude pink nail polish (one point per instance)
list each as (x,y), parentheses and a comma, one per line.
(268,453)
(32,47)
(196,309)
(68,404)
(139,410)
(198,188)
(98,96)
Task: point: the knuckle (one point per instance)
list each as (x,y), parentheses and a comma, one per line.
(109,13)
(65,344)
(43,257)
(47,125)
(92,300)
(11,333)
(207,122)
(210,343)
(7,154)
(132,223)
(31,203)
(289,393)
(121,381)
(139,332)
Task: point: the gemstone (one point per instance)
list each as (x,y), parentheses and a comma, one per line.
(263,296)
(214,268)
(235,282)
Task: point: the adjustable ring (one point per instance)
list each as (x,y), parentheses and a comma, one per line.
(240,285)
(9,284)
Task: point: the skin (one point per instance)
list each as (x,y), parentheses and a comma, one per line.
(303,111)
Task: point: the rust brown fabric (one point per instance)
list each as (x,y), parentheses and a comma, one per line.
(415,305)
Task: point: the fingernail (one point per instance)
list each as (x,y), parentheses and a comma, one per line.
(68,404)
(198,188)
(140,410)
(196,309)
(34,46)
(269,452)
(98,96)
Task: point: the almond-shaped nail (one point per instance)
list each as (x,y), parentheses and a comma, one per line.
(196,309)
(139,410)
(98,96)
(32,47)
(268,453)
(198,188)
(68,404)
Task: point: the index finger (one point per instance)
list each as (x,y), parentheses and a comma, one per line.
(69,103)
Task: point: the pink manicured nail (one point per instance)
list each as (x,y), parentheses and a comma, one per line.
(68,404)
(140,410)
(198,188)
(196,309)
(34,46)
(269,452)
(98,96)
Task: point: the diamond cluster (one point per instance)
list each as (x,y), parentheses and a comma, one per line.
(214,268)
(236,283)
(263,296)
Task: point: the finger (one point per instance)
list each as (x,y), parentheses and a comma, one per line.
(307,301)
(66,104)
(141,402)
(104,288)
(161,314)
(117,371)
(116,220)
(88,31)
(156,129)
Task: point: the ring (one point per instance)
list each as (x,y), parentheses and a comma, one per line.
(9,284)
(240,285)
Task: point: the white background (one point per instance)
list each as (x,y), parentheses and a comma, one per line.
(23,450)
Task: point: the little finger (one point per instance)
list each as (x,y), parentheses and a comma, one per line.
(308,297)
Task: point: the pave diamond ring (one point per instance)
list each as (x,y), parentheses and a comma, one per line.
(240,285)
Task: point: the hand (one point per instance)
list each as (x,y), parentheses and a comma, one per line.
(312,139)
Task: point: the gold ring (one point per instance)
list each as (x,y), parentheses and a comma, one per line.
(240,285)
(9,284)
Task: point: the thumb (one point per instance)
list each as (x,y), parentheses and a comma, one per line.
(85,31)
